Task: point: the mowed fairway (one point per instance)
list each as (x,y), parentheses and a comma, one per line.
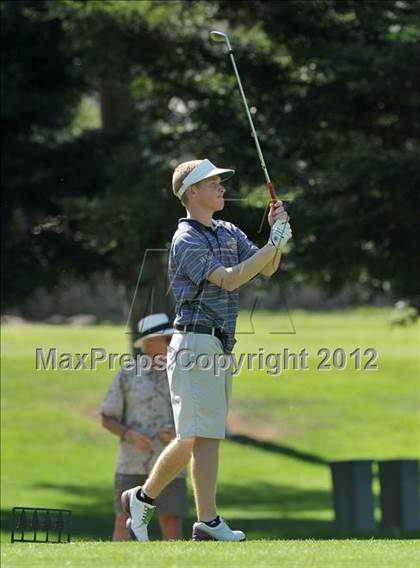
(288,554)
(274,477)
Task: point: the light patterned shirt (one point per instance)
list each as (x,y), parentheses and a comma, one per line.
(141,403)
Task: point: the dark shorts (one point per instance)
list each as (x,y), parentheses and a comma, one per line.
(172,501)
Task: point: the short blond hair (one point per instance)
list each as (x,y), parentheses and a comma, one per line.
(180,173)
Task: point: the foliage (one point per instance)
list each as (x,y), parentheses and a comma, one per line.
(40,91)
(335,89)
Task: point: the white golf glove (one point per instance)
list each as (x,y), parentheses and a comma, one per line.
(280,234)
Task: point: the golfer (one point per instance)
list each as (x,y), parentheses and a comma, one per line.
(209,261)
(137,409)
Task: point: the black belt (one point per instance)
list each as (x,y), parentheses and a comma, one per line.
(202,329)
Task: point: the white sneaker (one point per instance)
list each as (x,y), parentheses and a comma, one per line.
(140,514)
(201,531)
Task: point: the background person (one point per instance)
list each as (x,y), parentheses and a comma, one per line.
(137,408)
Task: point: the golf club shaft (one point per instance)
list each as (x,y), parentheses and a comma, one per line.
(254,132)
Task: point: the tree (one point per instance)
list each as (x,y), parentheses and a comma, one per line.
(40,92)
(336,92)
(344,133)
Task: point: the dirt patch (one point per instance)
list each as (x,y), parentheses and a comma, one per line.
(239,423)
(8,319)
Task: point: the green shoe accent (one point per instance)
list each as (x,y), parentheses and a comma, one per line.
(147,515)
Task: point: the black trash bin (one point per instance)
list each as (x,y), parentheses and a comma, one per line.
(353,496)
(399,480)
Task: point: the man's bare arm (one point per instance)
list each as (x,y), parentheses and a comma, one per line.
(233,277)
(136,439)
(114,426)
(271,267)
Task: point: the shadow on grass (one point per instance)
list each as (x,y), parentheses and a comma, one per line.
(266,506)
(277,449)
(91,520)
(262,497)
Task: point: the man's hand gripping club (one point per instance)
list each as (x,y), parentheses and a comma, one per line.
(281,231)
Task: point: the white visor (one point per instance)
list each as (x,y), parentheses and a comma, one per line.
(203,171)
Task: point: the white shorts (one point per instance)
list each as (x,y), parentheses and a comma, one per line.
(200,396)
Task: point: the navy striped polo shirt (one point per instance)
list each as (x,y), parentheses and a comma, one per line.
(196,252)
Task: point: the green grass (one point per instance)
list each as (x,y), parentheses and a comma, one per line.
(336,414)
(299,554)
(274,482)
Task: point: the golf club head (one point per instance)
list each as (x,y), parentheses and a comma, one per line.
(220,37)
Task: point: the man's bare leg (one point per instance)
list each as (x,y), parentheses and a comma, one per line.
(204,465)
(170,527)
(169,464)
(120,530)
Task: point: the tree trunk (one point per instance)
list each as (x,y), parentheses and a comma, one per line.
(117,109)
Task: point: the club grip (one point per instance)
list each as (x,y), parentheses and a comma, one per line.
(272,191)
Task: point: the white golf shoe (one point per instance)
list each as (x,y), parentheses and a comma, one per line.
(140,514)
(201,531)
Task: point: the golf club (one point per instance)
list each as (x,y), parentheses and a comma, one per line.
(222,37)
